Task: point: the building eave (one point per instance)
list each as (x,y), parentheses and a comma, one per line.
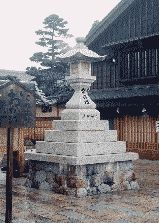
(114,14)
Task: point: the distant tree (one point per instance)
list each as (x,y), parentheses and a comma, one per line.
(54,28)
(54,70)
(11,78)
(47,78)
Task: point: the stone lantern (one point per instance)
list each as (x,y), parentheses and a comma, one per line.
(80,106)
(80,155)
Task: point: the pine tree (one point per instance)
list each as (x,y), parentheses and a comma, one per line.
(54,28)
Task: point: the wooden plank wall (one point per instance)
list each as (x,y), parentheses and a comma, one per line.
(22,134)
(139,20)
(136,129)
(140,135)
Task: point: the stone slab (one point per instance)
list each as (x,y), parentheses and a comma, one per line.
(80,149)
(80,136)
(105,148)
(49,147)
(80,114)
(82,160)
(80,125)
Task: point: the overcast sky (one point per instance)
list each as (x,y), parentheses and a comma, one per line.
(19,19)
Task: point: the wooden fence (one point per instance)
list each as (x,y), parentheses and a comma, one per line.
(140,135)
(136,129)
(138,132)
(21,135)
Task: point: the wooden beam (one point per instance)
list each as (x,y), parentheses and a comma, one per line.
(99,76)
(153,62)
(108,75)
(132,65)
(138,12)
(136,66)
(104,75)
(142,64)
(157,67)
(113,69)
(126,66)
(155,26)
(150,62)
(150,17)
(147,62)
(9,175)
(144,17)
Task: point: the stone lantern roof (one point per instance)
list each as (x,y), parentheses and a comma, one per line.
(80,53)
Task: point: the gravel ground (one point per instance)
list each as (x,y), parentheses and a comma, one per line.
(32,205)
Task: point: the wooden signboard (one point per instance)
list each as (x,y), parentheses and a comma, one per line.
(17,109)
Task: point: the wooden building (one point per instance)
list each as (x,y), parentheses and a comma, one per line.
(17,109)
(46,111)
(126,88)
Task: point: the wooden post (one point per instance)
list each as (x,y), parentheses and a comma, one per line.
(9,175)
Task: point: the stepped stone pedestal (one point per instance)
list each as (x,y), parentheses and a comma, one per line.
(80,156)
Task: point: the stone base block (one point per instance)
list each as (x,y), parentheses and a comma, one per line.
(93,125)
(104,188)
(81,180)
(81,160)
(80,149)
(80,136)
(80,114)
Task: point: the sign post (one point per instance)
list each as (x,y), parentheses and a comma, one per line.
(17,109)
(9,174)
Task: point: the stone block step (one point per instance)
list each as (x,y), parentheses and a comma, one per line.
(80,114)
(82,160)
(80,125)
(80,136)
(80,149)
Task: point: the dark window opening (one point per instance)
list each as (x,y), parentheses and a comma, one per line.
(46,108)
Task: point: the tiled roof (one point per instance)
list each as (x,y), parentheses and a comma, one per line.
(108,19)
(20,74)
(25,81)
(43,99)
(80,52)
(30,87)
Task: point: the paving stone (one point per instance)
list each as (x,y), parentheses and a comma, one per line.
(60,179)
(125,185)
(81,171)
(28,183)
(76,182)
(108,178)
(70,191)
(40,176)
(129,176)
(55,187)
(116,187)
(104,188)
(81,192)
(39,166)
(90,169)
(80,182)
(134,185)
(97,179)
(128,205)
(44,186)
(50,177)
(92,191)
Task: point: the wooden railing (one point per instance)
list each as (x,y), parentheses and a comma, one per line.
(136,129)
(23,134)
(140,135)
(145,150)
